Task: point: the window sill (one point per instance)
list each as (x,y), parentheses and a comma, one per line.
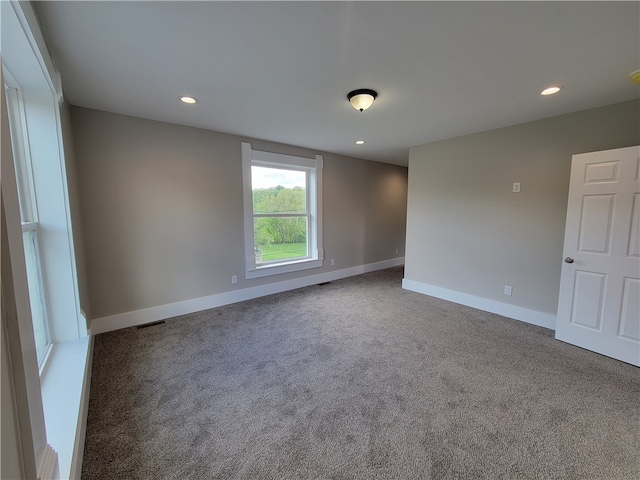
(267,270)
(63,385)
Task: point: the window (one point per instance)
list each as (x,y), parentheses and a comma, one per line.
(282,212)
(33,108)
(30,224)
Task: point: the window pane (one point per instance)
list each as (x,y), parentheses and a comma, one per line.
(277,238)
(277,190)
(38,312)
(24,175)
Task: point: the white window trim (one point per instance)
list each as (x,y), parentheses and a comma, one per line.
(28,201)
(44,165)
(313,166)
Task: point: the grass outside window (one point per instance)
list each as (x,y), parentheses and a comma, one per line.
(279,251)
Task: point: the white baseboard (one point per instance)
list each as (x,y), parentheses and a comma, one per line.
(162,312)
(535,317)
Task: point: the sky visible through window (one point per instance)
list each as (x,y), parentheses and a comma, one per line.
(262,177)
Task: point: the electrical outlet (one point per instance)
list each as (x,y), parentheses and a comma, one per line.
(234,279)
(508,289)
(516,187)
(333,262)
(397,251)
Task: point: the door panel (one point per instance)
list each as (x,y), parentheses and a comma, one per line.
(603,172)
(599,303)
(595,224)
(634,234)
(588,291)
(630,312)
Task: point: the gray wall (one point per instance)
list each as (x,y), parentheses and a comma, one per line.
(163,219)
(466,230)
(11,461)
(74,206)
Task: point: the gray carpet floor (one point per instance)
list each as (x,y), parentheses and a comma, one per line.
(356,379)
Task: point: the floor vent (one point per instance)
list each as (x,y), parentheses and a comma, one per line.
(152,324)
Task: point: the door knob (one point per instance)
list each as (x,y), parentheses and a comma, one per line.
(568,260)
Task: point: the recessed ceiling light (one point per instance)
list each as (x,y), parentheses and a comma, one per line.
(188,99)
(360,142)
(551,90)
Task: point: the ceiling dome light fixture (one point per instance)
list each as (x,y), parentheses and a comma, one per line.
(360,142)
(188,99)
(551,90)
(635,77)
(362,99)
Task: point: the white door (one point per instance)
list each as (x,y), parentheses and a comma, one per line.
(599,304)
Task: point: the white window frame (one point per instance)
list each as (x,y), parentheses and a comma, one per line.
(315,252)
(28,212)
(37,137)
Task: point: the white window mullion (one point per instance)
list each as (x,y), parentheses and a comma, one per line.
(29,226)
(280,215)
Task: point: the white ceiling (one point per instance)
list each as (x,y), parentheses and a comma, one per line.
(281,71)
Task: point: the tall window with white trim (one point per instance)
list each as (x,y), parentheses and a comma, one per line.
(29,218)
(283,212)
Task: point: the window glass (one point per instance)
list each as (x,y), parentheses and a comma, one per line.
(276,190)
(36,294)
(282,192)
(278,238)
